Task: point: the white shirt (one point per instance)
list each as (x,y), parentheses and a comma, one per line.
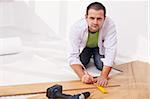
(107,41)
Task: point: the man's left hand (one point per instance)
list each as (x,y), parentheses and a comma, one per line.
(102,81)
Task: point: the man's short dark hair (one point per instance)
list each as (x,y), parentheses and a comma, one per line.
(96,6)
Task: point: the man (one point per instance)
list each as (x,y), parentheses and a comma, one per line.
(93,37)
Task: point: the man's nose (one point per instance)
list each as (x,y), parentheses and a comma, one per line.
(95,21)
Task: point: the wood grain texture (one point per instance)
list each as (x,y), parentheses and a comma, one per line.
(41,88)
(134,84)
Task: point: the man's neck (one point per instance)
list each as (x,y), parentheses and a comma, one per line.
(92,32)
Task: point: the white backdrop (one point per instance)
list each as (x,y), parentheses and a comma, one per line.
(53,19)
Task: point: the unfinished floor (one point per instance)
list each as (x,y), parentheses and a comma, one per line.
(134,84)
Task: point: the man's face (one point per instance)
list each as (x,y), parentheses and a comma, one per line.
(95,19)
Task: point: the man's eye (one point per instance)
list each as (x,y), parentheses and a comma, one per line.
(92,18)
(99,18)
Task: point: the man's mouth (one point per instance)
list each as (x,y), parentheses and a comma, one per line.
(94,25)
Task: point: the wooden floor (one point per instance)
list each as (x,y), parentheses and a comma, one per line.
(134,84)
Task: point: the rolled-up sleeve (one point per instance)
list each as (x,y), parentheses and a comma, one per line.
(74,46)
(110,45)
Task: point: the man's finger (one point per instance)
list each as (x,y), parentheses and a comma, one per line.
(87,78)
(106,82)
(103,83)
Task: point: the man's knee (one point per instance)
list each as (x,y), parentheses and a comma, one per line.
(85,56)
(99,67)
(99,64)
(84,61)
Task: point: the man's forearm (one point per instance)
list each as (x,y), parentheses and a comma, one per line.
(78,70)
(105,72)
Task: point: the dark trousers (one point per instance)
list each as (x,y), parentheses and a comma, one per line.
(87,53)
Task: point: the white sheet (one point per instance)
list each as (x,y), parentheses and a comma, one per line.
(39,64)
(10,45)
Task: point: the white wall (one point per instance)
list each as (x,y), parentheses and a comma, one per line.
(54,18)
(131,18)
(19,18)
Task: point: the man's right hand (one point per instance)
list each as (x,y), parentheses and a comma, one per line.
(83,75)
(88,79)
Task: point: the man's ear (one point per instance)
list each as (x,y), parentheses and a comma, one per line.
(104,17)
